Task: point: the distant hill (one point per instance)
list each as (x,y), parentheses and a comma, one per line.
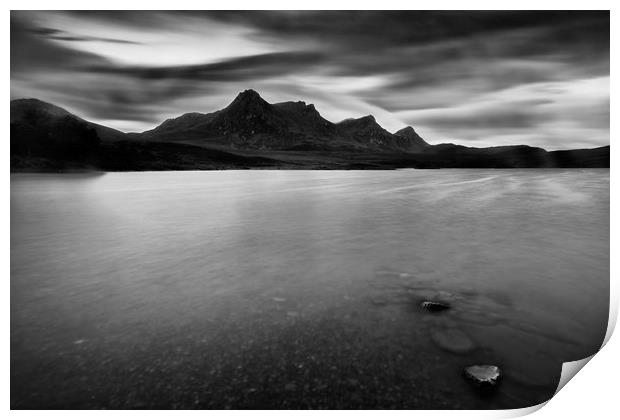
(47,112)
(42,129)
(250,133)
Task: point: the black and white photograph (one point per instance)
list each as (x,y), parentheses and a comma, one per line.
(306,209)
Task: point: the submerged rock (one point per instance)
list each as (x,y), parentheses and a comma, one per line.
(453,340)
(483,375)
(433,306)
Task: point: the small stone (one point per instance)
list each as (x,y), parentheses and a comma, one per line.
(290,387)
(433,306)
(279,299)
(483,375)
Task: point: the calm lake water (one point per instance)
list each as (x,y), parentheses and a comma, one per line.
(302,289)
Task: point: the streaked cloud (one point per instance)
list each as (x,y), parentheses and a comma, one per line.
(478,78)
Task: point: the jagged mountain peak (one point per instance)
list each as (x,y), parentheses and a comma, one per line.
(406,132)
(248,96)
(299,106)
(365,121)
(416,142)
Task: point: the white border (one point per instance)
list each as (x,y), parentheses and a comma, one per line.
(592,394)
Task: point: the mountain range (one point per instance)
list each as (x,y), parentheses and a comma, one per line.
(252,133)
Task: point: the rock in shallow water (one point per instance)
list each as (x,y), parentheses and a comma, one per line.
(433,306)
(483,375)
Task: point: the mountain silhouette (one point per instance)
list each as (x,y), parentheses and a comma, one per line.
(250,122)
(249,133)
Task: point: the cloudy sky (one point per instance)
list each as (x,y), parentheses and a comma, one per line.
(475,78)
